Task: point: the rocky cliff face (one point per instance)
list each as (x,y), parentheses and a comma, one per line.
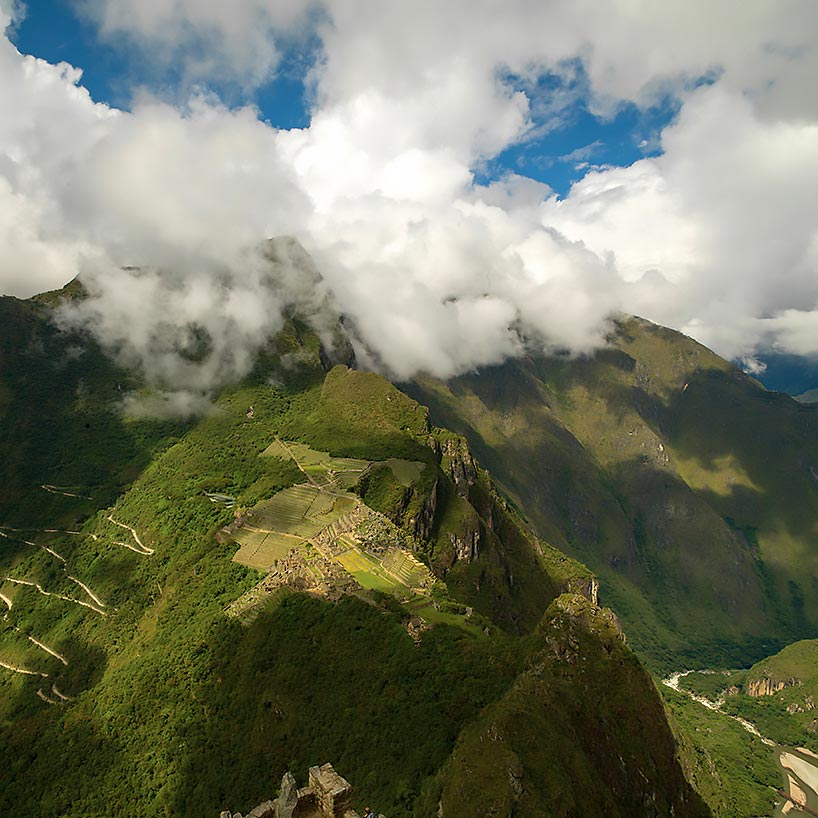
(422,523)
(466,542)
(466,532)
(474,540)
(587,587)
(455,460)
(767,687)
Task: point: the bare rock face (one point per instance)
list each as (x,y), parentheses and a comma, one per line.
(767,687)
(287,799)
(584,586)
(460,465)
(456,461)
(424,522)
(467,542)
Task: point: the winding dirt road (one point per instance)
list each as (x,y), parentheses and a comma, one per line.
(61,490)
(23,670)
(143,549)
(26,671)
(45,648)
(57,556)
(41,590)
(87,590)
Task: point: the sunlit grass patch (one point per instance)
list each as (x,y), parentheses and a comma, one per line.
(260,550)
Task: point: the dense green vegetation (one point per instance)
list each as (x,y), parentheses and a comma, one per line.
(61,421)
(188,685)
(551,755)
(788,715)
(622,460)
(175,708)
(712,684)
(687,488)
(731,769)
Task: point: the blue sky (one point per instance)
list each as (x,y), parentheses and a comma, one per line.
(556,153)
(114,69)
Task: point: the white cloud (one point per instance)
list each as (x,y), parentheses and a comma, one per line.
(234,42)
(718,235)
(752,365)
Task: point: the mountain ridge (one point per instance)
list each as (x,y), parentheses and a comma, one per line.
(221,702)
(620,460)
(647,461)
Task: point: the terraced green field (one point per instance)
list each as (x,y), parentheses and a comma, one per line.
(399,574)
(319,466)
(260,550)
(286,512)
(286,520)
(406,568)
(367,571)
(341,472)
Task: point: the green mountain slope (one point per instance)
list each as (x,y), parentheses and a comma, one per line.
(779,694)
(688,489)
(733,770)
(145,672)
(551,755)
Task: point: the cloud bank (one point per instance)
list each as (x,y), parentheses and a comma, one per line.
(717,235)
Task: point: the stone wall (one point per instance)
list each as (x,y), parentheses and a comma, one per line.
(333,794)
(327,796)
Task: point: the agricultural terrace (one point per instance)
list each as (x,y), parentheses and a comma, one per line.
(397,573)
(324,470)
(302,522)
(287,520)
(320,468)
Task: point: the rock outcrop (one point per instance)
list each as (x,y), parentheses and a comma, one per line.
(584,586)
(287,800)
(767,687)
(466,542)
(422,523)
(456,461)
(536,752)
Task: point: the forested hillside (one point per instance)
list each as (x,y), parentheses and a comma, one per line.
(147,672)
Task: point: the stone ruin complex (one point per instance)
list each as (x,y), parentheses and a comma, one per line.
(327,795)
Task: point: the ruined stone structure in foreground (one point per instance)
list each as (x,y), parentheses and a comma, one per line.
(327,795)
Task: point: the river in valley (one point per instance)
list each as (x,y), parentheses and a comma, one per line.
(799,766)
